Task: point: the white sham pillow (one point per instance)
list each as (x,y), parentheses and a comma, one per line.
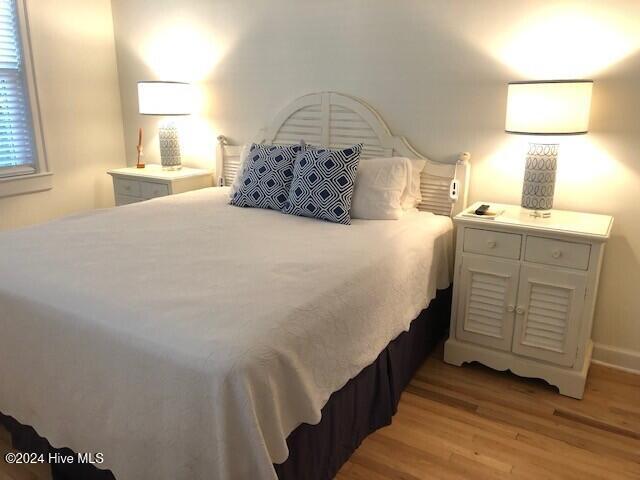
(379,188)
(412,195)
(240,173)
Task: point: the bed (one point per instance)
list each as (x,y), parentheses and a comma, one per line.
(186,338)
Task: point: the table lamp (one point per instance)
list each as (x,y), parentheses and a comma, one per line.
(551,107)
(166,99)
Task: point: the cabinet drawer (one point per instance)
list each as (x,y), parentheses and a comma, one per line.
(127,187)
(496,244)
(153,190)
(557,252)
(126,200)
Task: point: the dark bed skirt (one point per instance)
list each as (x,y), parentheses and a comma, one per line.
(367,402)
(316,452)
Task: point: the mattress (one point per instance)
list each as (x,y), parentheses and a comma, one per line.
(186,338)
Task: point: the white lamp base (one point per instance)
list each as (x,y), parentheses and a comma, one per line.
(169,146)
(540,179)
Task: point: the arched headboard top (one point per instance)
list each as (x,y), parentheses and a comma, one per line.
(336,120)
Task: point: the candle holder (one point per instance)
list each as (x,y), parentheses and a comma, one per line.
(140,148)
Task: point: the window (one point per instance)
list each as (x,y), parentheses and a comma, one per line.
(21,150)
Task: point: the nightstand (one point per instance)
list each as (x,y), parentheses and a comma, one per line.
(524,293)
(132,185)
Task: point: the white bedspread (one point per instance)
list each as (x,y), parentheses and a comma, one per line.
(185,338)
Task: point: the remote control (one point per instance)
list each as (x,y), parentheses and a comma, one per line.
(482,209)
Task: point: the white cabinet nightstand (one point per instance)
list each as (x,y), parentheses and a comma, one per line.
(132,185)
(525,291)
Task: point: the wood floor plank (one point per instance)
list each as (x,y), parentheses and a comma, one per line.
(594,442)
(478,467)
(524,455)
(598,463)
(355,471)
(4,475)
(397,460)
(372,468)
(441,397)
(516,400)
(594,422)
(460,416)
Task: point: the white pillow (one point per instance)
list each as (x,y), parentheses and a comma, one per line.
(239,173)
(379,188)
(412,196)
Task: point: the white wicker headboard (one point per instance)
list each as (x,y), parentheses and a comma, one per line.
(336,120)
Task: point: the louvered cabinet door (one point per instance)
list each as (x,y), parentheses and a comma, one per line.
(548,314)
(487,296)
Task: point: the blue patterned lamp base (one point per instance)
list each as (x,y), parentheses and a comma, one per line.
(169,146)
(540,178)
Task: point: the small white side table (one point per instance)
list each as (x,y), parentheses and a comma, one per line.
(132,184)
(524,293)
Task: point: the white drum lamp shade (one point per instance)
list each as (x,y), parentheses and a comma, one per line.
(555,107)
(166,99)
(549,108)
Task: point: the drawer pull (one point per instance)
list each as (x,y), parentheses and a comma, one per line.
(557,253)
(510,308)
(491,243)
(127,187)
(520,310)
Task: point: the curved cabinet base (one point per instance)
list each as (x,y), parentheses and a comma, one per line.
(570,381)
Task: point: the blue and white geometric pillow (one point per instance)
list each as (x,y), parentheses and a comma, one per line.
(267,176)
(322,185)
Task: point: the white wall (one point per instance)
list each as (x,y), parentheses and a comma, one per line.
(75,68)
(436,70)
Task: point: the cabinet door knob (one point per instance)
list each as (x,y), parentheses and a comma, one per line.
(491,243)
(519,310)
(557,253)
(510,308)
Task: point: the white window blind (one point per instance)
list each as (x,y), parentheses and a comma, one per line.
(16,135)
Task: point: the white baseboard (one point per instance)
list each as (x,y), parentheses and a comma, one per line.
(620,358)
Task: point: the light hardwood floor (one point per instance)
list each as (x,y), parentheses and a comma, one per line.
(474,423)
